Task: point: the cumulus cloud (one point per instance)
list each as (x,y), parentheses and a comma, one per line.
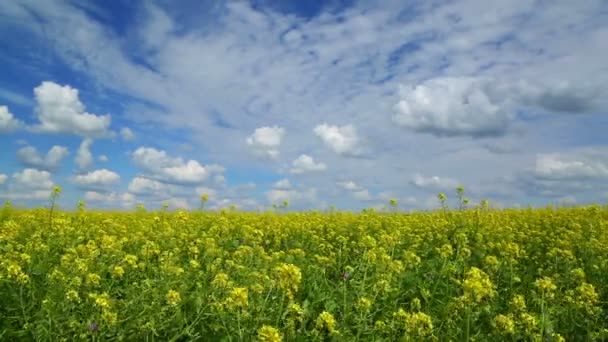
(452,106)
(3,178)
(103,158)
(305,163)
(343,140)
(556,166)
(362,195)
(265,141)
(278,196)
(8,123)
(203,190)
(84,157)
(145,186)
(29,184)
(59,110)
(282,184)
(350,186)
(99,180)
(30,156)
(124,199)
(127,134)
(172,170)
(434,183)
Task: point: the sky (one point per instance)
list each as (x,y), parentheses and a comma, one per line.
(319,103)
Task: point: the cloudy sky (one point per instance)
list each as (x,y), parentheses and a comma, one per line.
(345,103)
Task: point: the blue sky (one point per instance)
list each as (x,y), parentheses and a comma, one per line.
(345,103)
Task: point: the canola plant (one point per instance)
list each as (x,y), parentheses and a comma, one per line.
(476,273)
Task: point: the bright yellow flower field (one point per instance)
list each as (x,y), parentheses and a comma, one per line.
(478,274)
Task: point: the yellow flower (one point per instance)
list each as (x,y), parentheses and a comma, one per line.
(220,280)
(101,300)
(445,251)
(194,264)
(93,279)
(296,311)
(238,298)
(504,324)
(417,323)
(269,334)
(109,317)
(364,304)
(173,297)
(118,271)
(477,285)
(546,285)
(289,277)
(131,260)
(72,296)
(518,303)
(326,321)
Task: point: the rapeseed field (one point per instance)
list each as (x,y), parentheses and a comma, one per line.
(473,273)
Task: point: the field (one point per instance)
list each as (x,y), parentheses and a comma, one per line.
(473,274)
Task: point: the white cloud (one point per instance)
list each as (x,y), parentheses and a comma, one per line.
(345,66)
(265,141)
(125,199)
(172,170)
(342,140)
(33,179)
(100,180)
(103,158)
(30,156)
(452,107)
(203,190)
(434,183)
(84,157)
(3,178)
(146,186)
(7,122)
(305,163)
(127,134)
(59,110)
(282,184)
(350,186)
(29,184)
(555,166)
(278,196)
(362,195)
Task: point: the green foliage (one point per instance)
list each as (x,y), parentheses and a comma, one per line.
(374,276)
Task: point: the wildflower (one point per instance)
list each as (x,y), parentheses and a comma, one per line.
(72,296)
(118,272)
(220,280)
(518,303)
(546,285)
(345,276)
(417,323)
(364,304)
(109,317)
(131,260)
(504,324)
(289,278)
(269,334)
(102,300)
(528,322)
(173,297)
(326,321)
(93,279)
(93,327)
(238,297)
(296,311)
(445,251)
(477,285)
